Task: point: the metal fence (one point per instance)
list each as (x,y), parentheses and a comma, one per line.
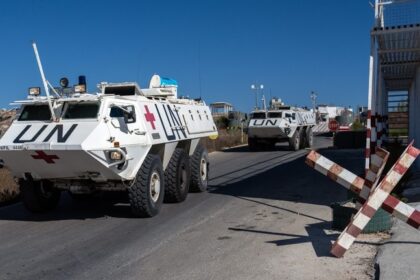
(398,12)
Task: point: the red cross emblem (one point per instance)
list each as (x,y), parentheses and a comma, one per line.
(44,156)
(150,117)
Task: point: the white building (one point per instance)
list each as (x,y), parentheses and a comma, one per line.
(330,112)
(394,82)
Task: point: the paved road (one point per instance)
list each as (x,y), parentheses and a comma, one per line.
(262,217)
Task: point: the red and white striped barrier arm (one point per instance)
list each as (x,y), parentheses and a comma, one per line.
(392,205)
(346,178)
(377,165)
(402,211)
(335,172)
(378,197)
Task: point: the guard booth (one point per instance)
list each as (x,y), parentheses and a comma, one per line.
(394,75)
(219,109)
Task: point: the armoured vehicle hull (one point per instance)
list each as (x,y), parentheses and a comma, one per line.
(123,138)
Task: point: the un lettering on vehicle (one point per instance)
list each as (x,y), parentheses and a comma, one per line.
(172,126)
(27,135)
(264,122)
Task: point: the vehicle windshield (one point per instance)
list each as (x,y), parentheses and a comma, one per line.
(81,111)
(274,114)
(258,115)
(35,113)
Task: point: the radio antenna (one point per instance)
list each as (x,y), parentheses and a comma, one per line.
(44,81)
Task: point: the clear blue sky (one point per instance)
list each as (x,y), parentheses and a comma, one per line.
(218,48)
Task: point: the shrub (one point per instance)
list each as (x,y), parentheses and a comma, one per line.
(9,190)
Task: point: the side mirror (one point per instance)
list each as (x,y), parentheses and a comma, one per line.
(126,112)
(129,116)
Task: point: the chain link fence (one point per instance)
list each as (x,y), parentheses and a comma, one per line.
(400,12)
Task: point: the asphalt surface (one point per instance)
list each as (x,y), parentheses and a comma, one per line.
(262,218)
(398,258)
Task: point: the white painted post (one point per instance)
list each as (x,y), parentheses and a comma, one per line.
(370,94)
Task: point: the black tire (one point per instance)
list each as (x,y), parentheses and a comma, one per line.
(295,141)
(177,177)
(146,193)
(302,137)
(81,197)
(199,170)
(39,196)
(309,137)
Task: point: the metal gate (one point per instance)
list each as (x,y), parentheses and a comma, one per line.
(398,116)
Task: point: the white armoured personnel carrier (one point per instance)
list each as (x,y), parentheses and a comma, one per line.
(122,138)
(280,123)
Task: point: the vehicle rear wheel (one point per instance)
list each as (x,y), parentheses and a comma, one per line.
(177,177)
(199,170)
(146,193)
(294,142)
(81,196)
(309,137)
(39,196)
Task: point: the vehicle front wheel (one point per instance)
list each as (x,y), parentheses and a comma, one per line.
(309,139)
(39,196)
(146,193)
(294,142)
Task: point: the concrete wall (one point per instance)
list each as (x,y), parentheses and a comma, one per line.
(383,96)
(380,100)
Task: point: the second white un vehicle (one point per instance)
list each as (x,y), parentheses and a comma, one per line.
(281,123)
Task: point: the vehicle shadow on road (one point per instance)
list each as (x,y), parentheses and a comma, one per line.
(286,177)
(69,209)
(242,149)
(317,235)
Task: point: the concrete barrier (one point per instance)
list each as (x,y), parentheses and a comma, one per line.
(350,139)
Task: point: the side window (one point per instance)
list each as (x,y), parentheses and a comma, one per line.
(130,114)
(126,112)
(116,112)
(294,116)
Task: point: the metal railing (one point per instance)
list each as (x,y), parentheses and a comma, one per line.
(397,12)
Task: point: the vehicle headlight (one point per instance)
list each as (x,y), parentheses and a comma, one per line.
(80,88)
(115,155)
(34,91)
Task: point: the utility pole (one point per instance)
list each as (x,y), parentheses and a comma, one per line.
(255,87)
(313,98)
